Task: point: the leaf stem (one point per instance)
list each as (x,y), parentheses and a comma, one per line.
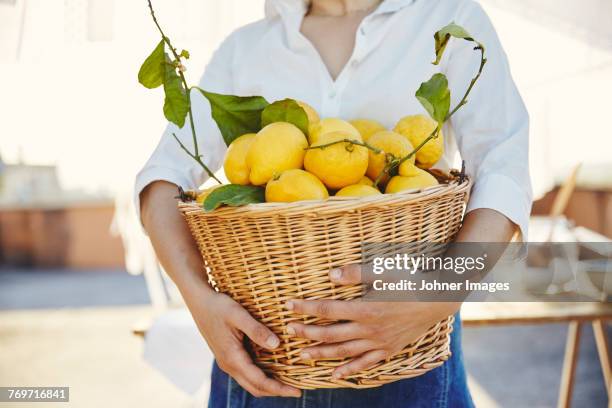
(463,101)
(353,142)
(396,163)
(196,156)
(197,159)
(433,135)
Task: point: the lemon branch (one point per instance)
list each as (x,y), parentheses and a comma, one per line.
(464,100)
(198,159)
(389,166)
(442,37)
(348,141)
(433,135)
(180,69)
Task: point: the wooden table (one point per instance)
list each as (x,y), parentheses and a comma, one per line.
(575,314)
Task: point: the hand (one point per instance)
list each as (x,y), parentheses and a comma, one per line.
(371,331)
(223,323)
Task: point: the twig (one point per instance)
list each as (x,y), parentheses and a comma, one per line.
(197,159)
(463,101)
(196,156)
(353,142)
(433,135)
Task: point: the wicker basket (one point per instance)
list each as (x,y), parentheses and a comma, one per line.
(265,254)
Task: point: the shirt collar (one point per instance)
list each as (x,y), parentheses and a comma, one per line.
(287,8)
(291,13)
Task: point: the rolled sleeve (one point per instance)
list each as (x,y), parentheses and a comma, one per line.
(500,193)
(149,174)
(492,129)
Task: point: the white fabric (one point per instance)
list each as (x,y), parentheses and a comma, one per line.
(173,345)
(392,56)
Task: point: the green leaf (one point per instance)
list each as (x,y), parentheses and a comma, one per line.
(152,71)
(435,97)
(234,195)
(443,36)
(235,115)
(286,110)
(176,103)
(185,54)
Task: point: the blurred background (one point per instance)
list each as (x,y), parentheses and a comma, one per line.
(82,300)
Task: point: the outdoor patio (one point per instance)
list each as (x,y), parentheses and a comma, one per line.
(75,329)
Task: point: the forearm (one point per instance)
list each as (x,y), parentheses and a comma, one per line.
(220,319)
(485,225)
(171,239)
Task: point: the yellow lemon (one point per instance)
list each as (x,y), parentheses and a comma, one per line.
(295,185)
(366,181)
(417,128)
(235,165)
(338,165)
(408,169)
(329,125)
(401,183)
(204,193)
(367,127)
(358,190)
(390,143)
(313,116)
(277,147)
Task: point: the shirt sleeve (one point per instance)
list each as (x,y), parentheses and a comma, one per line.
(168,161)
(492,130)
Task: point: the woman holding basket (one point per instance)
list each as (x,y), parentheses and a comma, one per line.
(349,59)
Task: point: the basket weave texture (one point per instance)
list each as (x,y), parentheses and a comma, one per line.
(263,255)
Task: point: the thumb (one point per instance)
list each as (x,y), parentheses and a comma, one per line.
(256,331)
(347,275)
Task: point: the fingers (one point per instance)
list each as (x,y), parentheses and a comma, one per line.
(327,309)
(251,378)
(347,275)
(360,363)
(334,333)
(257,332)
(345,349)
(336,309)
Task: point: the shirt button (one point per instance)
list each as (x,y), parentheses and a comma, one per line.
(332,94)
(362,31)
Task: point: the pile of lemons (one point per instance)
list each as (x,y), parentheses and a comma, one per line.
(294,167)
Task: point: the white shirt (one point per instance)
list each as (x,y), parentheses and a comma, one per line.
(393,52)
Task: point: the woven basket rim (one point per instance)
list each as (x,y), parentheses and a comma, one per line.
(332,204)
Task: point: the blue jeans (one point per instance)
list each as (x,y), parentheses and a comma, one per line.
(444,386)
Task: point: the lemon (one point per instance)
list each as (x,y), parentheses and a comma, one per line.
(338,165)
(408,169)
(417,128)
(367,127)
(234,165)
(358,190)
(295,185)
(366,181)
(390,143)
(204,193)
(329,125)
(401,183)
(277,147)
(313,116)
